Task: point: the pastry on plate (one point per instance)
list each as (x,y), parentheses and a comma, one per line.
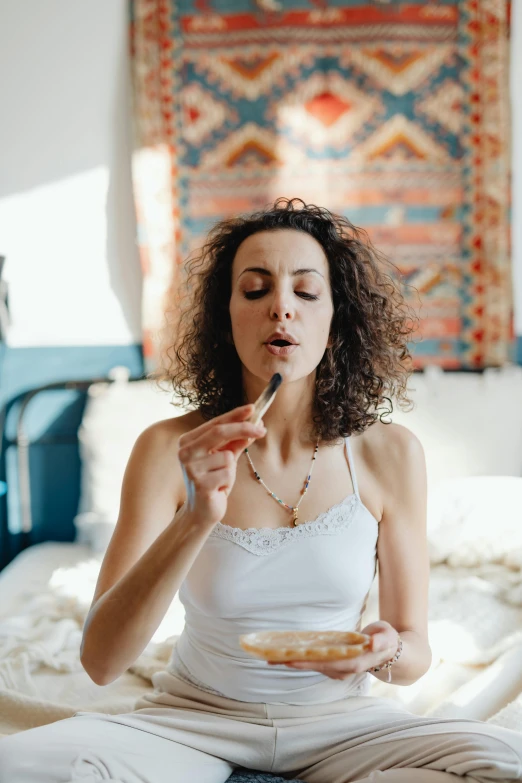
(281,646)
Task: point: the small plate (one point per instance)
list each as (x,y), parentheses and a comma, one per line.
(284,646)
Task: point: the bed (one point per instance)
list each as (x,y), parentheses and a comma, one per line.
(475,536)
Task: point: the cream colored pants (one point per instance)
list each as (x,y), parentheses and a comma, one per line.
(181,734)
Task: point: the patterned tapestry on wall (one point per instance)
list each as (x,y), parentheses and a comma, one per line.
(393,114)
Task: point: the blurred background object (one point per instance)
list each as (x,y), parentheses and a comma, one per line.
(4,304)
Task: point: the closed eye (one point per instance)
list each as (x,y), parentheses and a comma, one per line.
(262,292)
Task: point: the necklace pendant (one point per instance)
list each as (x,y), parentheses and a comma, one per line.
(293,509)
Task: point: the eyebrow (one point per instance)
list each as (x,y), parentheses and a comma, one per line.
(262,271)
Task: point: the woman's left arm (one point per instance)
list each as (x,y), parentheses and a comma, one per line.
(402,551)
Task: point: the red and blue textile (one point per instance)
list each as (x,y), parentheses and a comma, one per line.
(394,114)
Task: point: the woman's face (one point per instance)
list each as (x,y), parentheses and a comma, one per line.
(280,282)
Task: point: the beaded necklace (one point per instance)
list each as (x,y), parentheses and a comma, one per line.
(293,509)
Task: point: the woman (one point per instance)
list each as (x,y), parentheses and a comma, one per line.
(234,517)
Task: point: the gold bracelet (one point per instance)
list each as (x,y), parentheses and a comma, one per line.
(389,663)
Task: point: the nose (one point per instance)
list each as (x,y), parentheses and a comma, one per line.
(280,310)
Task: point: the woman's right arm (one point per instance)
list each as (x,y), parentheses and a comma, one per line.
(153,547)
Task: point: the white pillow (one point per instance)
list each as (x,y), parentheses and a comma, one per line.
(115,414)
(469,424)
(476,520)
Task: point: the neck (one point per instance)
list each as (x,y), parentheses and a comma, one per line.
(288,420)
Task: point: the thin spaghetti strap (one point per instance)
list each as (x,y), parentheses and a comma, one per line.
(351,464)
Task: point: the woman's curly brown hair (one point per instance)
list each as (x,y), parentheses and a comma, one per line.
(369,362)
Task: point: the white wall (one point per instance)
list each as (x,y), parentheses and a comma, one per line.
(67,223)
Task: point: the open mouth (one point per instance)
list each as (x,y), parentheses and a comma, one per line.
(280,343)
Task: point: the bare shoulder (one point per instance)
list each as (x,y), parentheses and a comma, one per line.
(393,458)
(163,436)
(394,448)
(169,431)
(156,451)
(392,440)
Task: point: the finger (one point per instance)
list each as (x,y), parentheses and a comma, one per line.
(236,414)
(235,440)
(330,668)
(198,467)
(233,445)
(327,671)
(315,665)
(222,479)
(219,436)
(376,644)
(383,641)
(238,446)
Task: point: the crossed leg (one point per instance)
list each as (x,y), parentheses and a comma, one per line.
(92,750)
(383,743)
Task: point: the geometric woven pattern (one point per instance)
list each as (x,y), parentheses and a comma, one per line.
(395,115)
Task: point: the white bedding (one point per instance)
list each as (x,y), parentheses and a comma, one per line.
(45,593)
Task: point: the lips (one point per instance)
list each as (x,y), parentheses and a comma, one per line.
(281,339)
(280,350)
(281,343)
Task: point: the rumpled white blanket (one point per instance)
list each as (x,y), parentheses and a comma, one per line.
(41,676)
(475,634)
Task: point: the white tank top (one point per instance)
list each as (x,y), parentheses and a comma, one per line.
(316,576)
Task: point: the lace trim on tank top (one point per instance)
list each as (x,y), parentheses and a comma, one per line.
(265,540)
